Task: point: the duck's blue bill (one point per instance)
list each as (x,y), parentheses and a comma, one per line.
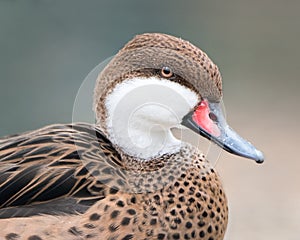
(208,120)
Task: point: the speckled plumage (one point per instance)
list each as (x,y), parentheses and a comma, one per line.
(71,182)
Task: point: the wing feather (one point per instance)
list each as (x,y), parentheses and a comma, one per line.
(52,170)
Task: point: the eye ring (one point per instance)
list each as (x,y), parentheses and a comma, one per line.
(166,72)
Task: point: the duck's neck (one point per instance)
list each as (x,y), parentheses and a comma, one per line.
(141,112)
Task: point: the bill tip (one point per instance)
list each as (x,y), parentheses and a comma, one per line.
(260,156)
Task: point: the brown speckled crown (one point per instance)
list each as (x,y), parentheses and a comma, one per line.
(153,51)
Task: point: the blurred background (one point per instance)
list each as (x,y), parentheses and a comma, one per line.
(47,47)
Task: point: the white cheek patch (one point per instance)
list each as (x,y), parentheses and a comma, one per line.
(141,112)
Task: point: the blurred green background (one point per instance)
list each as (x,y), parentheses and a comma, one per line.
(47,47)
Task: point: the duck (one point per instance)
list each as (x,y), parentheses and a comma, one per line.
(127,176)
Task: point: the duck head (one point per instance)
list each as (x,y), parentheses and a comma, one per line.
(157,82)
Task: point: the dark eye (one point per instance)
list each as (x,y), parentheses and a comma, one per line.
(166,72)
(213,117)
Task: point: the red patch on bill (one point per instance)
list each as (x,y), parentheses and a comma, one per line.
(202,119)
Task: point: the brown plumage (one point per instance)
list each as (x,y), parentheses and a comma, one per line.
(72,182)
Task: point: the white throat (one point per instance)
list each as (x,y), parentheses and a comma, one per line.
(141,113)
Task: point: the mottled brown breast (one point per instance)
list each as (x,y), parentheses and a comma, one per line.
(191,205)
